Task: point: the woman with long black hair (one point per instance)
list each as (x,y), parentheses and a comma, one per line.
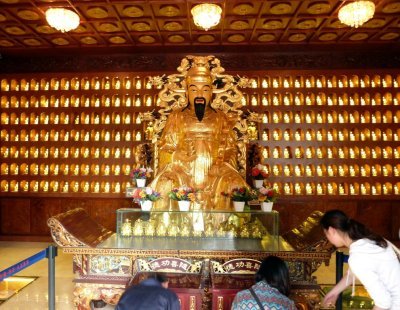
(271,290)
(372,259)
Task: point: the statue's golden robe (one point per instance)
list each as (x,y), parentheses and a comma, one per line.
(200,133)
(201,154)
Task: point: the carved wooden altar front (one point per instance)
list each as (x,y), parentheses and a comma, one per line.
(203,279)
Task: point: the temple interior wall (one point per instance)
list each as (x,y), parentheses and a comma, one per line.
(330,139)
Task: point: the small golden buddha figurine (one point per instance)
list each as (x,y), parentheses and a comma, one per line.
(161,230)
(221,232)
(252,131)
(150,228)
(209,232)
(137,229)
(173,229)
(185,229)
(126,228)
(149,131)
(197,233)
(256,232)
(244,232)
(232,231)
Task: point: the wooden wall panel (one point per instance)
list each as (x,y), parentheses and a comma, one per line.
(28,216)
(104,210)
(395,219)
(378,216)
(382,217)
(15,216)
(41,210)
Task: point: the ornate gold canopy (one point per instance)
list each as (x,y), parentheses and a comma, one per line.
(227,98)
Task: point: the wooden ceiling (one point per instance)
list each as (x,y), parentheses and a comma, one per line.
(161,24)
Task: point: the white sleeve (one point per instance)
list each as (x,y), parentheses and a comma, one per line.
(363,269)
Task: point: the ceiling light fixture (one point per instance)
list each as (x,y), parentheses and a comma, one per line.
(62,19)
(356,13)
(206,15)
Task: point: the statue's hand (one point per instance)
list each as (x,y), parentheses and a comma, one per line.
(182,156)
(167,148)
(219,161)
(215,169)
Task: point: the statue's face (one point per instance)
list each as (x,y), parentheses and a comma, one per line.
(199,96)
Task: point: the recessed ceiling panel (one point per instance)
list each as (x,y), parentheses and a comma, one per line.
(169,23)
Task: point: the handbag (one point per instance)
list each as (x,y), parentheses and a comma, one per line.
(256,298)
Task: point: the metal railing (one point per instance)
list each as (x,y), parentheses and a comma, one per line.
(50,253)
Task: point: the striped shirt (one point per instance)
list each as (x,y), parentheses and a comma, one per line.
(270,298)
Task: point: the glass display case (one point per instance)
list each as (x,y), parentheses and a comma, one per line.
(197,230)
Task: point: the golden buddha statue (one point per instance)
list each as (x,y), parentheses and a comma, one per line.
(200,139)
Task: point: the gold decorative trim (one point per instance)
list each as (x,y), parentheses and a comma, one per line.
(60,235)
(221,255)
(85,231)
(85,292)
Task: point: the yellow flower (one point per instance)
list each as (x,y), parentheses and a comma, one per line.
(192,197)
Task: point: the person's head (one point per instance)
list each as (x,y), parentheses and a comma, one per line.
(339,229)
(274,271)
(199,89)
(160,278)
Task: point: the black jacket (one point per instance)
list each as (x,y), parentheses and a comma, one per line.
(148,294)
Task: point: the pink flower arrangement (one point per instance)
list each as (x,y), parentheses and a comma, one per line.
(267,194)
(141,173)
(240,194)
(145,193)
(183,193)
(258,172)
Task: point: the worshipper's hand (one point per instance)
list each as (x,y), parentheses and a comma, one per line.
(330,299)
(333,294)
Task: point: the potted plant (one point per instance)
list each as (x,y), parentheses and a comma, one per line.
(239,196)
(145,196)
(140,175)
(258,174)
(184,195)
(267,197)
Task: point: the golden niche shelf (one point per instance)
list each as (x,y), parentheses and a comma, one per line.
(329,134)
(72,134)
(325,133)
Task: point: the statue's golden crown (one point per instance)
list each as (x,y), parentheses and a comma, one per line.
(198,75)
(199,71)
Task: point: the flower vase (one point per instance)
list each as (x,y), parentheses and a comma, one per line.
(140,182)
(258,183)
(266,206)
(184,205)
(238,206)
(146,205)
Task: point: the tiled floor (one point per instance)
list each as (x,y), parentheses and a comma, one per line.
(34,296)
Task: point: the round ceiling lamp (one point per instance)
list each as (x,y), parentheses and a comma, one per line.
(62,19)
(206,15)
(356,13)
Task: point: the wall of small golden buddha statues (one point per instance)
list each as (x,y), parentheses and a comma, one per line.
(322,133)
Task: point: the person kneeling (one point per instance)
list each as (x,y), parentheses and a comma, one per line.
(271,289)
(152,293)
